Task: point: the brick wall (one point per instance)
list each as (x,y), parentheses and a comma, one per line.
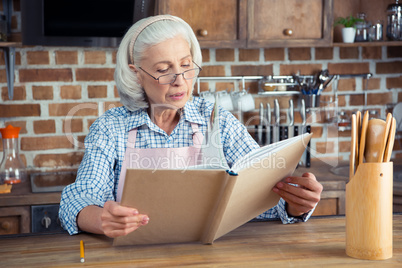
(60,91)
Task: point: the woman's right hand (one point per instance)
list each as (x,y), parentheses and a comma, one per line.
(117,220)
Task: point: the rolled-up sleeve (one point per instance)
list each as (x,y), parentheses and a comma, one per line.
(95,182)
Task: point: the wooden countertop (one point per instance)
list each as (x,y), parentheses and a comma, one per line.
(319,242)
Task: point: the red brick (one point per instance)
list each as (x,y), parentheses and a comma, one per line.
(325,147)
(324,53)
(394,82)
(70,92)
(45,143)
(372,53)
(274,54)
(394,52)
(249,54)
(90,122)
(38,57)
(393,67)
(58,160)
(213,71)
(347,84)
(299,53)
(95,57)
(349,52)
(252,70)
(94,74)
(45,75)
(112,104)
(349,68)
(224,54)
(3,76)
(44,126)
(373,83)
(21,124)
(16,110)
(356,100)
(42,92)
(379,98)
(66,57)
(114,54)
(97,92)
(305,69)
(73,125)
(116,92)
(18,94)
(73,109)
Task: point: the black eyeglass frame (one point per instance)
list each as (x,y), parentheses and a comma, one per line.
(175,75)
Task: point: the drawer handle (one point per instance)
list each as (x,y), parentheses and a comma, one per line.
(203,32)
(288,32)
(5,225)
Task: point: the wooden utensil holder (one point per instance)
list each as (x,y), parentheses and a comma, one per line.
(369,212)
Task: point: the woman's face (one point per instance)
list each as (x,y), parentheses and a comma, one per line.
(169,57)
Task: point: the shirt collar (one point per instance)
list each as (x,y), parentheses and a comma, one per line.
(140,117)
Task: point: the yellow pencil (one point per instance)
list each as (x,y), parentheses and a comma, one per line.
(82,253)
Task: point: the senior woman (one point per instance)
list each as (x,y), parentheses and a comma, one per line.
(158,61)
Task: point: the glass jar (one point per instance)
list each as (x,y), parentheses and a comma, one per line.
(394,21)
(362,28)
(12,169)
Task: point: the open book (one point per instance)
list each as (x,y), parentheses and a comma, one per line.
(203,204)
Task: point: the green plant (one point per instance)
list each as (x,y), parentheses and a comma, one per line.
(347,21)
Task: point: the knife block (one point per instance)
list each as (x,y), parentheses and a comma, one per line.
(369,212)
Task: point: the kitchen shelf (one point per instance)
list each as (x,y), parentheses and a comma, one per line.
(368,44)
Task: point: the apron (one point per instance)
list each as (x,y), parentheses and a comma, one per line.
(159,158)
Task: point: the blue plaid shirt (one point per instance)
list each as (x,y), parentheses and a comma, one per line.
(105,145)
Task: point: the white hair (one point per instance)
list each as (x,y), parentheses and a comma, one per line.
(132,95)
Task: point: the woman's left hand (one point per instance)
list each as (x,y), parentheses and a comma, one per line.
(301,197)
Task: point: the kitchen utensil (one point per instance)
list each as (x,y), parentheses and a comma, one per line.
(388,123)
(260,126)
(374,140)
(394,21)
(268,125)
(363,137)
(352,157)
(358,133)
(390,141)
(276,128)
(291,120)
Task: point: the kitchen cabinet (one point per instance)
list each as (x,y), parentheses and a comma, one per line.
(255,23)
(14,220)
(215,23)
(289,23)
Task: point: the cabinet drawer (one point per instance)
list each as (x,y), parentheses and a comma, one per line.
(14,220)
(215,23)
(291,22)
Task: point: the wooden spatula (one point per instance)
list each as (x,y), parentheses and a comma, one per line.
(385,138)
(376,129)
(362,140)
(390,142)
(352,157)
(358,133)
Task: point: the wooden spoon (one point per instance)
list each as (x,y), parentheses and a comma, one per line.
(374,141)
(358,133)
(352,157)
(388,123)
(390,142)
(362,142)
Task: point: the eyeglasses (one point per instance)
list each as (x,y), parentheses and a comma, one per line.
(170,78)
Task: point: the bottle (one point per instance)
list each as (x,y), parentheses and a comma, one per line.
(394,21)
(12,169)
